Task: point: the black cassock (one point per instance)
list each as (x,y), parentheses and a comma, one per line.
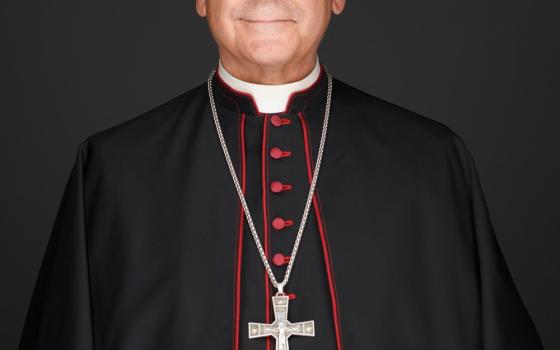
(151,250)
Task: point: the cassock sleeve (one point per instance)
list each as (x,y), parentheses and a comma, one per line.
(505,321)
(59,315)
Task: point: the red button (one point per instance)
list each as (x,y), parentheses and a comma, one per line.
(277,186)
(277,153)
(279,259)
(279,223)
(276,120)
(292,296)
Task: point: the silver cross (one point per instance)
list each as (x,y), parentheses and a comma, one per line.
(281,329)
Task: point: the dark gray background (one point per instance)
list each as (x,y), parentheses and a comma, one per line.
(487,69)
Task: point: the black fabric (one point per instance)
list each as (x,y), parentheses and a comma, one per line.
(398,251)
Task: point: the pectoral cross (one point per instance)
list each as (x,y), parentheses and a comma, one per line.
(281,329)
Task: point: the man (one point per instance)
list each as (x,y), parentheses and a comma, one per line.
(157,245)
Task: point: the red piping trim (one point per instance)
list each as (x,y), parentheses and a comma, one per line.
(312,86)
(239,237)
(265,219)
(322,232)
(290,98)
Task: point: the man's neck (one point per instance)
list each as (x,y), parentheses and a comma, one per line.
(269,98)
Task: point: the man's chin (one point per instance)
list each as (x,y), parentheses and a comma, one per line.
(270,56)
(271,47)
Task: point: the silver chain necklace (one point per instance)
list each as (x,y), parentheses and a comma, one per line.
(281,328)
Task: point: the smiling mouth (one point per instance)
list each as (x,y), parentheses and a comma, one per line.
(267,21)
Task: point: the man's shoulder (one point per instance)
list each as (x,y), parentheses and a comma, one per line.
(142,130)
(400,131)
(383,118)
(148,121)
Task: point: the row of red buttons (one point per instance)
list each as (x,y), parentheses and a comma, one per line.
(276,186)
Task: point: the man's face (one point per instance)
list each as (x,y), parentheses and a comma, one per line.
(268,32)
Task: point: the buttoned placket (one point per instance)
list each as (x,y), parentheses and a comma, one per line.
(280,153)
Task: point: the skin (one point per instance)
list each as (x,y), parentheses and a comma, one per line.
(268,41)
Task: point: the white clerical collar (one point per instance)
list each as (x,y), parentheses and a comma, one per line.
(270,98)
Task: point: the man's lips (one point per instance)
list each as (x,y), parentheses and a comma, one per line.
(266,20)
